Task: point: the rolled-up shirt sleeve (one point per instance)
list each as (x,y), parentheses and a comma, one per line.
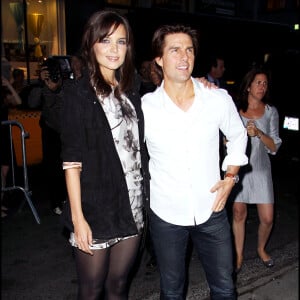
(236,136)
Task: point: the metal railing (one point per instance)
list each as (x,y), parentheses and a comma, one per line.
(13,186)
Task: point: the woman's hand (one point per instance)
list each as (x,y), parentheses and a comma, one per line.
(83,236)
(252,130)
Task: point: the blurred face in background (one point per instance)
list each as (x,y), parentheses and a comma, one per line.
(218,71)
(145,70)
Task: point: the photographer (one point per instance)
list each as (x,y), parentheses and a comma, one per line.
(48,98)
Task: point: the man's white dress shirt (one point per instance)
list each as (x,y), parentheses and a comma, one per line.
(184,151)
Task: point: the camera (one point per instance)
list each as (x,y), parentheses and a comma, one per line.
(53,67)
(58,67)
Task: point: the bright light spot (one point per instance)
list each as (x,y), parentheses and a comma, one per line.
(230,82)
(266,57)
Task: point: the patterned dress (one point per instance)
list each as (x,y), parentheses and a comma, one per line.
(126,137)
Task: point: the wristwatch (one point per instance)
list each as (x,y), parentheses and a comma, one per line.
(235,178)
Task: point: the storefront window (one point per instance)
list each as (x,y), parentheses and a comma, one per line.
(27,42)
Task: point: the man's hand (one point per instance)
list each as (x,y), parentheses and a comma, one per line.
(44,73)
(207,83)
(53,86)
(223,188)
(45,76)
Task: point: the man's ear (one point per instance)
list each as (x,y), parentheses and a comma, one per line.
(158,60)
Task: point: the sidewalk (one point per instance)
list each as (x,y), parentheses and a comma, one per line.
(37,262)
(255,282)
(284,284)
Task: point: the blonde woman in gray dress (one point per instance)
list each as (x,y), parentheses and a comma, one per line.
(256,186)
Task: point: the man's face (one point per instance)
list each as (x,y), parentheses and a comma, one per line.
(178,57)
(219,69)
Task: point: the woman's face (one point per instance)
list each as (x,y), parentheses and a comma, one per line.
(258,87)
(111,51)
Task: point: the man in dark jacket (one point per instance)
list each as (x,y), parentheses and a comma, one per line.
(48,97)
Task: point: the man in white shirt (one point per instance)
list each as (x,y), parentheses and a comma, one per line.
(187,196)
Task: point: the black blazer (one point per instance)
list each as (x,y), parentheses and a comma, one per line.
(86,137)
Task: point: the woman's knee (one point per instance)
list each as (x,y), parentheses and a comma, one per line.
(89,291)
(116,286)
(239,213)
(267,221)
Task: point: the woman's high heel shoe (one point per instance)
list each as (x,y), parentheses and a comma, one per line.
(268,263)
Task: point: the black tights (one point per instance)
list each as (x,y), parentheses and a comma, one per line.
(107,269)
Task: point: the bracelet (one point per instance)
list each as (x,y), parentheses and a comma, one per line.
(260,134)
(235,178)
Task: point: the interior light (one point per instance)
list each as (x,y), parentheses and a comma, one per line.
(230,82)
(296,26)
(266,57)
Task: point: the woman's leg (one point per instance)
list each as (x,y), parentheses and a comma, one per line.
(265,214)
(121,260)
(107,268)
(91,272)
(238,228)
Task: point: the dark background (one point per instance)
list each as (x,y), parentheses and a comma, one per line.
(241,42)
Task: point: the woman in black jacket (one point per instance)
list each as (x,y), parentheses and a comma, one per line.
(105,160)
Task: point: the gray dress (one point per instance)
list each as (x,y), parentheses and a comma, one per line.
(255,185)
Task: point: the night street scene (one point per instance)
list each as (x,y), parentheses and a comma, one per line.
(37,262)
